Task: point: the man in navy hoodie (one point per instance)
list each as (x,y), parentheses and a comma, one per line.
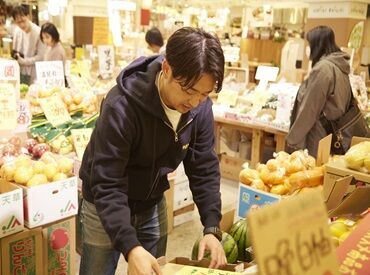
(157,115)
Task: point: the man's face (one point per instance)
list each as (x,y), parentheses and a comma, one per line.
(23,23)
(182,99)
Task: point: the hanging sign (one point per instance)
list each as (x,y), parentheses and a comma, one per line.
(81,138)
(106,59)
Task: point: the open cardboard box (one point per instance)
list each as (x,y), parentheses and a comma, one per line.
(340,193)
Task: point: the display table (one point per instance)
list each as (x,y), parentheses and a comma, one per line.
(257,131)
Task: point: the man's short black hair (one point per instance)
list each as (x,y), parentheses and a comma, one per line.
(50,29)
(21,10)
(192,52)
(154,37)
(322,42)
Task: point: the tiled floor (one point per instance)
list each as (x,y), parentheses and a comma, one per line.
(182,238)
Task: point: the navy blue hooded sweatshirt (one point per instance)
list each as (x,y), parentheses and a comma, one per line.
(133,148)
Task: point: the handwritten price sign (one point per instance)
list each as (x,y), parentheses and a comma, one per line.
(8,107)
(81,138)
(55,110)
(292,237)
(50,73)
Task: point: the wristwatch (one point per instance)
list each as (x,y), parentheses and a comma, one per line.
(215,231)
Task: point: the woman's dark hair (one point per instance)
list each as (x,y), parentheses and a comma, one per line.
(154,37)
(322,42)
(50,29)
(19,11)
(192,52)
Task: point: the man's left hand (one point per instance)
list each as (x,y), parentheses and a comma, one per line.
(20,60)
(210,242)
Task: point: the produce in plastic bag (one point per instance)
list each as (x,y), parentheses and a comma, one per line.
(258,184)
(307,178)
(247,175)
(356,155)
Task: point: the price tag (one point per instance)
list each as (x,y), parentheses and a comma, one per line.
(9,72)
(55,110)
(24,115)
(227,97)
(50,73)
(8,107)
(194,270)
(106,59)
(81,138)
(293,237)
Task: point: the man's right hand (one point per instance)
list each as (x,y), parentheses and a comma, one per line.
(141,262)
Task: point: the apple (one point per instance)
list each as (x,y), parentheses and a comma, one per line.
(39,149)
(59,176)
(39,167)
(50,170)
(23,160)
(23,174)
(37,179)
(30,143)
(7,171)
(65,165)
(48,157)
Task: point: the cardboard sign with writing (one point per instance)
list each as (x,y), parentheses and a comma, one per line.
(106,59)
(24,115)
(285,243)
(9,73)
(100,31)
(81,138)
(8,107)
(50,73)
(55,110)
(354,253)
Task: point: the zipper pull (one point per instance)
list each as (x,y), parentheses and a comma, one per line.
(176,137)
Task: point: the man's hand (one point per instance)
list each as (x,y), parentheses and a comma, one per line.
(210,243)
(141,262)
(20,60)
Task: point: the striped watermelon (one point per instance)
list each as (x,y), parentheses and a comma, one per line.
(229,245)
(239,231)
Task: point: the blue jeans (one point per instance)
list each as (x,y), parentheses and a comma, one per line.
(98,255)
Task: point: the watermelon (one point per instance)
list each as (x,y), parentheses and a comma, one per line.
(228,244)
(239,232)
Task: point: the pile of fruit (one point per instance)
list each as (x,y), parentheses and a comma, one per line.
(341,228)
(358,157)
(284,174)
(25,171)
(235,244)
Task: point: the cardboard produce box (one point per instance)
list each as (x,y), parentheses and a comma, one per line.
(59,247)
(21,253)
(59,201)
(230,167)
(11,209)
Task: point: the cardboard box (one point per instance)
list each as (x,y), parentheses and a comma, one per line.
(183,215)
(21,253)
(182,195)
(11,209)
(59,250)
(59,201)
(250,198)
(230,167)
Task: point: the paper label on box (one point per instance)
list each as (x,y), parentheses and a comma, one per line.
(55,110)
(59,248)
(22,255)
(50,73)
(8,107)
(285,243)
(354,253)
(194,270)
(81,138)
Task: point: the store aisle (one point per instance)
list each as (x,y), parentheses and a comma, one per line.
(182,238)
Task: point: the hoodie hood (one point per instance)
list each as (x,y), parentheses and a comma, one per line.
(137,81)
(341,60)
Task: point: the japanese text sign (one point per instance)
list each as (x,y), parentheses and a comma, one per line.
(50,73)
(81,138)
(292,237)
(106,59)
(354,253)
(8,107)
(55,110)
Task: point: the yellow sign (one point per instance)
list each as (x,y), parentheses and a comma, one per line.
(193,270)
(8,107)
(293,237)
(100,31)
(81,138)
(227,97)
(79,53)
(55,110)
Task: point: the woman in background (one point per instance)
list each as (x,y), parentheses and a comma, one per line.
(49,35)
(154,39)
(326,91)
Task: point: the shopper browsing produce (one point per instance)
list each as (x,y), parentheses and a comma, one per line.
(49,35)
(155,40)
(326,91)
(157,115)
(27,47)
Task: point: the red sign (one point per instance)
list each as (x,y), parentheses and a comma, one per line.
(354,253)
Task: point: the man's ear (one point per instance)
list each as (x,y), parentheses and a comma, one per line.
(166,69)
